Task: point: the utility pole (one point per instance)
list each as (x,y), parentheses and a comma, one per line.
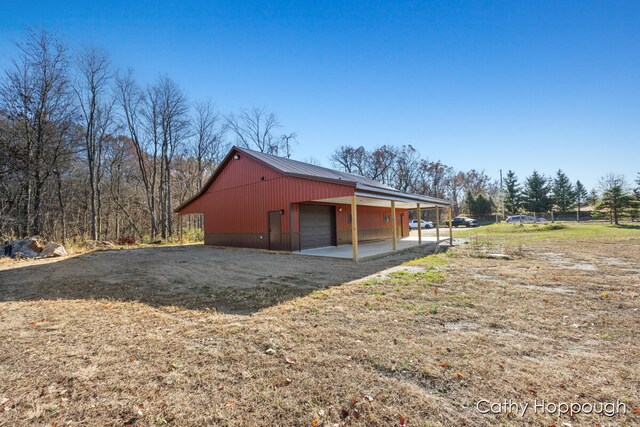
(502,195)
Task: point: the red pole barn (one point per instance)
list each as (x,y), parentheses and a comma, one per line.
(256,200)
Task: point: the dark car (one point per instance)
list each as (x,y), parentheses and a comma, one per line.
(463,221)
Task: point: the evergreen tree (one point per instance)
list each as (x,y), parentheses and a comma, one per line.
(581,196)
(479,205)
(615,198)
(634,210)
(483,206)
(637,189)
(469,202)
(536,193)
(512,194)
(562,192)
(592,199)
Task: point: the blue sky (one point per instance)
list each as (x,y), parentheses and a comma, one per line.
(486,85)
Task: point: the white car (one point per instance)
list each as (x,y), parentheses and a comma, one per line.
(413,224)
(524,219)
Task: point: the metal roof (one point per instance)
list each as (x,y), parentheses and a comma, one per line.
(295,167)
(289,167)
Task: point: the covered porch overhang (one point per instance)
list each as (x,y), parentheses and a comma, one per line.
(372,249)
(393,199)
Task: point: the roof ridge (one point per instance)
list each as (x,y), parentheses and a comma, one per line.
(339,175)
(293,160)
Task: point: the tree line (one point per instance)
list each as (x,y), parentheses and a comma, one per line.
(403,168)
(613,199)
(475,193)
(90,151)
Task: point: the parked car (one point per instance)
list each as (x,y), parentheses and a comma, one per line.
(463,220)
(413,224)
(523,219)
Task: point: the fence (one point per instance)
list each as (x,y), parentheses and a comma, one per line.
(430,215)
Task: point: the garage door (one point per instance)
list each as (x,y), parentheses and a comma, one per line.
(316,226)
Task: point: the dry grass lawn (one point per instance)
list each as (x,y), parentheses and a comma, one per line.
(416,345)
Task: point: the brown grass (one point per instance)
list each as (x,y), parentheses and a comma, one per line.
(424,342)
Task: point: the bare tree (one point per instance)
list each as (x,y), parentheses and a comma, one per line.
(403,168)
(174,128)
(209,145)
(254,130)
(137,109)
(405,172)
(312,161)
(380,162)
(350,159)
(478,182)
(433,178)
(11,174)
(121,171)
(287,142)
(96,105)
(455,186)
(610,180)
(36,98)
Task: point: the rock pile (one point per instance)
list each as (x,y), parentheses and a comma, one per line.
(53,249)
(31,247)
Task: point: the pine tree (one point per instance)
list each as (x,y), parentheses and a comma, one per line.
(634,212)
(581,197)
(562,192)
(483,205)
(479,205)
(513,194)
(615,198)
(592,199)
(536,193)
(469,202)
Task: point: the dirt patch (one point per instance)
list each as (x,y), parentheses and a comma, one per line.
(422,345)
(614,261)
(562,261)
(485,277)
(464,324)
(551,288)
(194,276)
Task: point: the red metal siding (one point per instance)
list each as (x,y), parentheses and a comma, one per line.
(236,205)
(239,199)
(371,223)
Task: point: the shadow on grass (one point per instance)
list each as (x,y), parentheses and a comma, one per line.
(627,226)
(238,281)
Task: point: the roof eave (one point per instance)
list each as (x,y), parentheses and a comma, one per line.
(401,196)
(206,186)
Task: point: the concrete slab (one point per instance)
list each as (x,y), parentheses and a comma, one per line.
(368,250)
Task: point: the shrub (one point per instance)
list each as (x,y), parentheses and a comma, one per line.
(126,240)
(194,235)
